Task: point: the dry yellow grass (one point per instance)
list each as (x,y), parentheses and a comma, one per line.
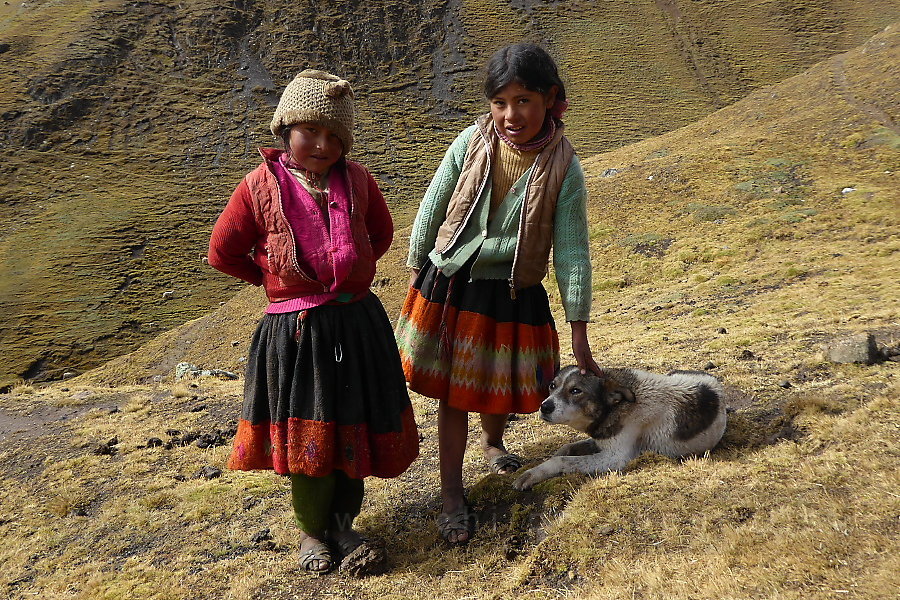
(739,223)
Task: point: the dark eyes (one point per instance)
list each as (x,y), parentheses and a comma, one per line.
(502,103)
(552,385)
(575,390)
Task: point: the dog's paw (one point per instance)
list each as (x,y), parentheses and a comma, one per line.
(526,480)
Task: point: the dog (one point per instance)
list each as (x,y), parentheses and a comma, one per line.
(627,412)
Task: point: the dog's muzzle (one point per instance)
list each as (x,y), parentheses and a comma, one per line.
(547,408)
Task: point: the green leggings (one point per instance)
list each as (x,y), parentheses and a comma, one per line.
(325,503)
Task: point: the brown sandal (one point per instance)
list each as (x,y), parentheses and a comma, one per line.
(505,464)
(452,524)
(317,553)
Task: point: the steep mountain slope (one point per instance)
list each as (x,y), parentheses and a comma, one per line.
(125,125)
(739,244)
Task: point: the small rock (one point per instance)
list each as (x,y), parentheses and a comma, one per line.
(859,348)
(235,343)
(721,330)
(261,536)
(208,472)
(113,441)
(154,442)
(746,355)
(250,502)
(208,440)
(891,353)
(198,408)
(186,439)
(847,190)
(784,384)
(104,450)
(68,375)
(609,172)
(709,365)
(172,432)
(79,512)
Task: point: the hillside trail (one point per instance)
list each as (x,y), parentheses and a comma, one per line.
(36,419)
(687,46)
(839,76)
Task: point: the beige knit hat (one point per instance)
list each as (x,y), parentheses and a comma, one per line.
(317,97)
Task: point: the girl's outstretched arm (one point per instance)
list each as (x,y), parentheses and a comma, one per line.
(572,262)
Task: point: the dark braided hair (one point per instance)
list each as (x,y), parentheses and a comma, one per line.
(526,64)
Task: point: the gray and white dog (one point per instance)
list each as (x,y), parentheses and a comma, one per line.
(627,412)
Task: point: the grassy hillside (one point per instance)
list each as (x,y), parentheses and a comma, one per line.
(749,240)
(124,126)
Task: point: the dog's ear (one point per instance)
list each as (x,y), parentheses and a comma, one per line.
(618,394)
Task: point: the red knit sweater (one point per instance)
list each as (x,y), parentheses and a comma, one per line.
(237,233)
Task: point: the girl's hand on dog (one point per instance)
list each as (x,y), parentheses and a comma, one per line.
(581,348)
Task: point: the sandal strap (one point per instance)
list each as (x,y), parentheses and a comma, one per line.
(505,462)
(463,519)
(320,551)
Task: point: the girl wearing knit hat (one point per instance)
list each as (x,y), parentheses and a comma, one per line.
(325,400)
(476,330)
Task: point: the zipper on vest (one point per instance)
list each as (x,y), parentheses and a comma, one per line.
(512,289)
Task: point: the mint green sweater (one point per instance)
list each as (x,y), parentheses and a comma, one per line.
(494,242)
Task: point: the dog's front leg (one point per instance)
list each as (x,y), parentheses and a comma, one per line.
(614,455)
(581,448)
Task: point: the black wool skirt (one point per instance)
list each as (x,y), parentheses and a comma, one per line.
(325,390)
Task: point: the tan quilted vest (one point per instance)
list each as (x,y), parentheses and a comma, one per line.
(535,236)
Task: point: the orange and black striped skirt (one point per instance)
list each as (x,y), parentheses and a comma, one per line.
(470,343)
